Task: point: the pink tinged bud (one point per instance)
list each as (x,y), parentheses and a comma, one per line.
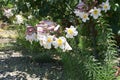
(51,27)
(40,29)
(46,26)
(81,7)
(30,30)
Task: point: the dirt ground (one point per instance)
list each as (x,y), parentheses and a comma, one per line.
(15,66)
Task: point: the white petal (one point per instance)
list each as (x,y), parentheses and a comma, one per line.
(91,11)
(95,16)
(57,27)
(75,33)
(55,44)
(71,26)
(47,46)
(84,20)
(67,46)
(63,38)
(62,46)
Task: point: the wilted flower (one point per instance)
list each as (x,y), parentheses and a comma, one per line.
(8,13)
(84,16)
(106,6)
(95,12)
(19,19)
(71,32)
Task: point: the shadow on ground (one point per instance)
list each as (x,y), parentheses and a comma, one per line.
(15,66)
(22,68)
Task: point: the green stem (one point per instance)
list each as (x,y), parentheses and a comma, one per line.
(93,37)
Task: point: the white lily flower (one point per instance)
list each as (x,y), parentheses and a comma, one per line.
(48,42)
(19,19)
(42,38)
(78,13)
(40,33)
(31,37)
(8,13)
(71,32)
(84,16)
(106,6)
(95,12)
(62,43)
(59,42)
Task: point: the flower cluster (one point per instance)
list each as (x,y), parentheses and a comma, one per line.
(42,33)
(17,18)
(83,12)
